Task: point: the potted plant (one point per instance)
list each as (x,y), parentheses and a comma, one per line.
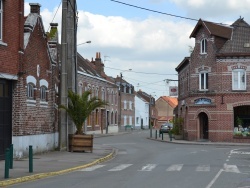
(177,128)
(79,108)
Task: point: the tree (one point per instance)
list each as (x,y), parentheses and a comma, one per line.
(177,128)
(80,107)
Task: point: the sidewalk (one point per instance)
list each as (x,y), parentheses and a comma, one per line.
(201,142)
(54,163)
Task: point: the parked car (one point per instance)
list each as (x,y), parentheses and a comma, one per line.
(166,127)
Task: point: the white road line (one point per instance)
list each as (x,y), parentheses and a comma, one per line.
(215,178)
(148,167)
(92,168)
(176,167)
(120,167)
(203,168)
(231,168)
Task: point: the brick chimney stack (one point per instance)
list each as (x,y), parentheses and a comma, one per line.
(98,63)
(35,8)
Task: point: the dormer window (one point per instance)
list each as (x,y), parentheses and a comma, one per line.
(203,46)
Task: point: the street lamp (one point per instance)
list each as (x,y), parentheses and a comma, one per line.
(120,92)
(84,42)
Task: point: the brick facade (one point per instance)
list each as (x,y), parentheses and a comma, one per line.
(210,108)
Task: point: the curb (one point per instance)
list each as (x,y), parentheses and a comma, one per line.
(49,174)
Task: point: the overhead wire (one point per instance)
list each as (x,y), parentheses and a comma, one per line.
(55,14)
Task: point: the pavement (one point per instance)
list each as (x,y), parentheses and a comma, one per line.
(59,162)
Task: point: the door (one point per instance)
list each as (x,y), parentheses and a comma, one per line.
(5,116)
(203,125)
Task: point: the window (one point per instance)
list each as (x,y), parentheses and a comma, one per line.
(137,120)
(203,81)
(1,20)
(130,120)
(103,94)
(239,79)
(30,91)
(125,105)
(43,93)
(130,105)
(203,46)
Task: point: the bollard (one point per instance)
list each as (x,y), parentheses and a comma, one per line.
(162,136)
(30,159)
(170,136)
(11,156)
(7,163)
(155,134)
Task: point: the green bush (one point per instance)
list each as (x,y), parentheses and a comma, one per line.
(177,128)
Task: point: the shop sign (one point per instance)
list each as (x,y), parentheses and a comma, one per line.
(203,101)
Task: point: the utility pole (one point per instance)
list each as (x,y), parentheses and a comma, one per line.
(68,67)
(63,80)
(120,106)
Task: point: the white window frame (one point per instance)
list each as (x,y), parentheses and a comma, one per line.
(103,94)
(203,46)
(130,120)
(125,120)
(205,81)
(237,82)
(125,105)
(130,105)
(43,96)
(30,91)
(1,20)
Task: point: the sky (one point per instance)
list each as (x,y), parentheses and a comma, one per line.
(151,37)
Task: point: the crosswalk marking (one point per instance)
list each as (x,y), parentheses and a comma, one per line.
(148,167)
(120,167)
(231,168)
(171,168)
(92,168)
(175,167)
(203,168)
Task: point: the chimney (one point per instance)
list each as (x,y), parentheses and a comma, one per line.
(35,8)
(98,63)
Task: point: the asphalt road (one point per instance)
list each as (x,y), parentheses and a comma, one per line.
(144,163)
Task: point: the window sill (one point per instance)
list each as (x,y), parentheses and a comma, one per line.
(3,44)
(203,53)
(31,102)
(239,90)
(44,104)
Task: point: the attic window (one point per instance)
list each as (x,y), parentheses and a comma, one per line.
(203,46)
(247,45)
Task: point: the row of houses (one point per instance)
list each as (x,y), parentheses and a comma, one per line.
(30,73)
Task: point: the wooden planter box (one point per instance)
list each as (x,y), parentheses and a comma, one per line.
(80,143)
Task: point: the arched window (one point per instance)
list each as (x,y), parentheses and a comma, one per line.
(43,93)
(30,91)
(203,46)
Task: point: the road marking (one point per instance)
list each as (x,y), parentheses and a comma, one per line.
(148,167)
(92,168)
(231,168)
(240,152)
(203,168)
(176,167)
(121,153)
(120,167)
(215,178)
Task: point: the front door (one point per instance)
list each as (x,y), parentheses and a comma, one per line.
(203,125)
(5,116)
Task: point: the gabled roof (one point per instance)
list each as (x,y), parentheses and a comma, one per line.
(183,64)
(213,28)
(29,25)
(172,101)
(240,41)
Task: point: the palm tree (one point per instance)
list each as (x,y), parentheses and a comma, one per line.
(80,107)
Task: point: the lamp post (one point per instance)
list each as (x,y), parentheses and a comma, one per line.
(120,92)
(84,43)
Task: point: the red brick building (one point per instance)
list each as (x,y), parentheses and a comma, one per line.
(27,85)
(91,76)
(165,106)
(214,83)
